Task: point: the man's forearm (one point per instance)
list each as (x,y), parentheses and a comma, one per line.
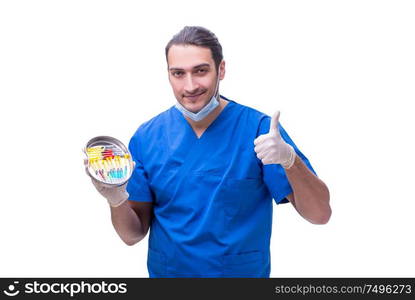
(311,195)
(127,224)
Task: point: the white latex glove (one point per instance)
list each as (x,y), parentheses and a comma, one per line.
(115,195)
(272,149)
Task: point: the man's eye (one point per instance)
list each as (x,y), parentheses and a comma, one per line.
(177,73)
(201,71)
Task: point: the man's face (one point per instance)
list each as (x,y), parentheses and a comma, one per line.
(192,75)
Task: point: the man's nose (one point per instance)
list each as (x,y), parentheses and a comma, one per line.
(190,84)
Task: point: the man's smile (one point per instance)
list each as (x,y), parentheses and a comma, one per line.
(193,97)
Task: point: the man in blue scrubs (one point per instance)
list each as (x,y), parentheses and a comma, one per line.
(206,172)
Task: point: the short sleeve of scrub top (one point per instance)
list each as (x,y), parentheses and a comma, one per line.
(274,175)
(138,187)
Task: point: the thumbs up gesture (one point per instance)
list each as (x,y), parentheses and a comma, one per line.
(272,149)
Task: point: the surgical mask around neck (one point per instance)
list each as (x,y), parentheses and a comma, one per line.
(207,109)
(201,114)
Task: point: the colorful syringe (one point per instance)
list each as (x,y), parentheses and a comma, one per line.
(109,164)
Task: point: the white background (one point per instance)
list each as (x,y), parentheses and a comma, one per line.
(341,72)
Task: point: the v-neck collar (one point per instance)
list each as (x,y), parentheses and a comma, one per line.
(211,125)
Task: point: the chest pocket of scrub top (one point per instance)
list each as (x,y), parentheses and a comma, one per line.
(241,196)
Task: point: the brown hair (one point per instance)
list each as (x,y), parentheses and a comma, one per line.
(198,36)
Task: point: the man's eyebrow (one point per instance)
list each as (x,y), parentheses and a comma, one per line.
(195,67)
(201,65)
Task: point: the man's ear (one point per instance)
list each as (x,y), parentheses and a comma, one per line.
(222,70)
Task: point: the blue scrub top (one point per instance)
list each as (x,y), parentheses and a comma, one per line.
(212,197)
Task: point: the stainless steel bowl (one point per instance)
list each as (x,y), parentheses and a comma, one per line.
(113,143)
